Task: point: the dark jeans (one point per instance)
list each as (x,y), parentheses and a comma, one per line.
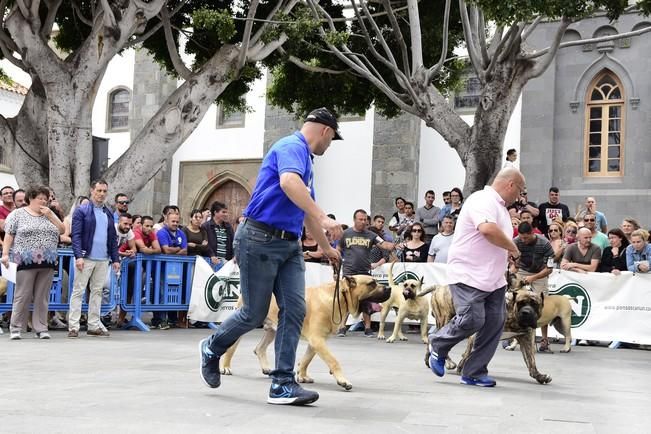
(268,265)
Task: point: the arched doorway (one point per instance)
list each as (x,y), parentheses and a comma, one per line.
(234,195)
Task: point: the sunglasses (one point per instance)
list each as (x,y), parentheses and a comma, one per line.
(416,230)
(570,231)
(124,202)
(554,230)
(588,220)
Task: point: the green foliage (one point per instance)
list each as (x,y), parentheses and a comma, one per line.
(508,12)
(299,91)
(220,22)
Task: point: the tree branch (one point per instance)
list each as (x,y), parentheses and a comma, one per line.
(311,68)
(109,17)
(530,28)
(80,15)
(444,46)
(542,64)
(481,34)
(416,50)
(246,36)
(150,9)
(475,58)
(52,9)
(23,9)
(625,35)
(179,66)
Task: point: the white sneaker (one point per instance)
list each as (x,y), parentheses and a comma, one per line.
(14,336)
(1,331)
(42,335)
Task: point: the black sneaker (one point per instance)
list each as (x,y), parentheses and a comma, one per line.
(209,369)
(290,393)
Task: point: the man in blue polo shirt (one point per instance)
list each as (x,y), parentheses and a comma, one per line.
(270,257)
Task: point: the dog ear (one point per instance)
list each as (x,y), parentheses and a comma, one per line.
(542,300)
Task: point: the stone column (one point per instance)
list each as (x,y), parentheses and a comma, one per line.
(151,88)
(396,151)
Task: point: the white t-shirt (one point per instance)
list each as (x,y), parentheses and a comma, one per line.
(439,247)
(123,238)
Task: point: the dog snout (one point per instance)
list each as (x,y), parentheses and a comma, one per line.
(527,317)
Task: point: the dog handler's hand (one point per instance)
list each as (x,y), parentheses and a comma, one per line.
(332,227)
(333,255)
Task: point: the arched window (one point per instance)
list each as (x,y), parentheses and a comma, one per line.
(604,131)
(118,110)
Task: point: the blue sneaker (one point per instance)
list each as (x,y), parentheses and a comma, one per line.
(483,381)
(290,393)
(437,364)
(209,365)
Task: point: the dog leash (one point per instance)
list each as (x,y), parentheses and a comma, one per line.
(335,296)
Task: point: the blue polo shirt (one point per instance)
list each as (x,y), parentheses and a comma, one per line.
(269,204)
(172,238)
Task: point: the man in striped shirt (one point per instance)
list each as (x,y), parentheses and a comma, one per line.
(220,234)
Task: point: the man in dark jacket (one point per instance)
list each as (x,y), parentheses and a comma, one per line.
(94,244)
(220,234)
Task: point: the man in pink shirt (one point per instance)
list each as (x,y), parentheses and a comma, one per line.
(477,262)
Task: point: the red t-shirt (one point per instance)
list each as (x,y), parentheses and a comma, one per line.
(146,239)
(4,212)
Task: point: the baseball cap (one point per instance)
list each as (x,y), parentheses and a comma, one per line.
(323,116)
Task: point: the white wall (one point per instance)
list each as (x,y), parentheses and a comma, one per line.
(118,73)
(342,176)
(440,168)
(207,142)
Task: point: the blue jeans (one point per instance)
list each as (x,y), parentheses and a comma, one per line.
(268,265)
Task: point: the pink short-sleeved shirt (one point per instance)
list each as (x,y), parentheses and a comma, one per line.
(472,259)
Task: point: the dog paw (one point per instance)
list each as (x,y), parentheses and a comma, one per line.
(425,341)
(391,340)
(543,378)
(380,337)
(305,379)
(404,339)
(266,371)
(226,371)
(510,348)
(450,365)
(345,384)
(566,351)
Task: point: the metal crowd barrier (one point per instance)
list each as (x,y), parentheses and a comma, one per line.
(160,283)
(61,289)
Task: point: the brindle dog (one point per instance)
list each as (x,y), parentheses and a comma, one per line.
(523,308)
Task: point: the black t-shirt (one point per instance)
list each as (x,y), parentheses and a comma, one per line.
(549,213)
(416,255)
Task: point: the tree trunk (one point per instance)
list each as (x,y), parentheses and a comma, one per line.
(500,94)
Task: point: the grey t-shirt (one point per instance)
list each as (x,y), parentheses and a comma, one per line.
(572,254)
(356,251)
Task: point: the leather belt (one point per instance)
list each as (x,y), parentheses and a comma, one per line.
(278,233)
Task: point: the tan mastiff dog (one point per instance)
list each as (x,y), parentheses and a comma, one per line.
(523,308)
(407,298)
(557,311)
(323,317)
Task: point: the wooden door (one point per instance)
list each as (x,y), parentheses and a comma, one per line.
(233,195)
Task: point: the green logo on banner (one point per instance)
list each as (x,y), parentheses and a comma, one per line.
(579,300)
(401,277)
(219,289)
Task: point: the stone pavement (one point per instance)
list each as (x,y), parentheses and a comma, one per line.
(136,382)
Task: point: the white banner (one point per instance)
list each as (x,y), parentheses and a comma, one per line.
(604,306)
(607,307)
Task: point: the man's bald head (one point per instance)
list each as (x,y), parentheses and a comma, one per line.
(509,183)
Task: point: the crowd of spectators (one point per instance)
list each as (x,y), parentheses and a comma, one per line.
(33,224)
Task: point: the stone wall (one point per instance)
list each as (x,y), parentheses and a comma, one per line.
(151,88)
(396,151)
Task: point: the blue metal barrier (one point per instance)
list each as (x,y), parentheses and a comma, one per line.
(61,290)
(157,283)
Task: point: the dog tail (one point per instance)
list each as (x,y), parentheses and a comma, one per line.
(427,290)
(391,282)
